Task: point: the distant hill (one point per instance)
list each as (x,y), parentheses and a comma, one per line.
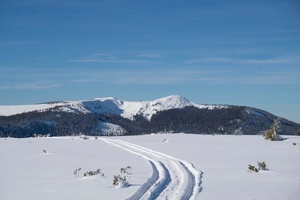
(111,116)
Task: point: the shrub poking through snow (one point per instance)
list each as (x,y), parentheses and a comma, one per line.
(126,170)
(76,172)
(165,140)
(253,168)
(85,138)
(262,165)
(120,182)
(94,173)
(271,134)
(40,135)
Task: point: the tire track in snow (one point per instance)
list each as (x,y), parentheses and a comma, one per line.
(156,183)
(183,186)
(171,178)
(161,185)
(143,189)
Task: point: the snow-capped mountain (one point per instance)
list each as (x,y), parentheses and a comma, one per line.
(111,116)
(129,109)
(126,109)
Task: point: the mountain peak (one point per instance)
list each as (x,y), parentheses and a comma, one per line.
(174,100)
(127,109)
(105,115)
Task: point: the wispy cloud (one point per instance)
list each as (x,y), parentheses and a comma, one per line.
(21,86)
(212,77)
(242,61)
(106,61)
(148,55)
(210,60)
(189,74)
(107,58)
(155,77)
(267,61)
(274,78)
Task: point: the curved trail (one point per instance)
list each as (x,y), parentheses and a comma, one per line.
(171,178)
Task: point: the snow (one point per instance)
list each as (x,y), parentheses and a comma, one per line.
(175,179)
(127,109)
(18,109)
(106,128)
(215,167)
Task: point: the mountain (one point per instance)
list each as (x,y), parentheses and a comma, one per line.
(111,105)
(111,116)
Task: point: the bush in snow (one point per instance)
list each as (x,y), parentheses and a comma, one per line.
(85,138)
(253,168)
(76,172)
(120,182)
(262,165)
(165,140)
(126,170)
(271,134)
(40,135)
(93,173)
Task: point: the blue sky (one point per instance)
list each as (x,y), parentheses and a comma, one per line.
(236,52)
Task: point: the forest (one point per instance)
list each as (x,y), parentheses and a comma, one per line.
(235,120)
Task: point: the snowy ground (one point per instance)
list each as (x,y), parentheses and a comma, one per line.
(186,166)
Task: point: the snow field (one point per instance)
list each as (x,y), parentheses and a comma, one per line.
(175,180)
(13,110)
(224,160)
(28,173)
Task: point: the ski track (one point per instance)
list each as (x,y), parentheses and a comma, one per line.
(171,178)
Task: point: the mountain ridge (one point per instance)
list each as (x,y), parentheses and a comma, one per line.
(126,109)
(111,116)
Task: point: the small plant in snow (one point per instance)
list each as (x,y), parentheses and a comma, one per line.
(85,138)
(262,165)
(120,182)
(165,140)
(271,134)
(76,172)
(94,173)
(253,168)
(126,170)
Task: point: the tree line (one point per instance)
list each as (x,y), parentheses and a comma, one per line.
(232,120)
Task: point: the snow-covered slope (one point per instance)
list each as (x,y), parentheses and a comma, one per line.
(29,172)
(13,110)
(126,109)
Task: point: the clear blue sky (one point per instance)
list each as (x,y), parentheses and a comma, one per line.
(237,52)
